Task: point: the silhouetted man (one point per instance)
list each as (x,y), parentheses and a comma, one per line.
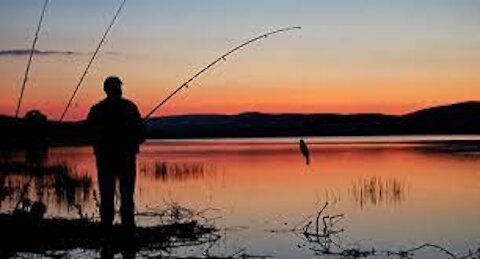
(117,131)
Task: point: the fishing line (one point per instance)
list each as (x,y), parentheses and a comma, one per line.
(222,57)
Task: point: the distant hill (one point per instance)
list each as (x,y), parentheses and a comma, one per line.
(455,118)
(267,125)
(459,118)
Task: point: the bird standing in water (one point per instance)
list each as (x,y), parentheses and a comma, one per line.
(305,151)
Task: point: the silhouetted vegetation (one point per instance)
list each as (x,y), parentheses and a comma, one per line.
(28,234)
(378,191)
(17,133)
(19,178)
(167,171)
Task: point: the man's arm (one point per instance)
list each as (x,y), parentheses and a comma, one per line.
(92,124)
(141,129)
(139,125)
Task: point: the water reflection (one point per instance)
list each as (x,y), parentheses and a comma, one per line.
(378,191)
(253,183)
(56,184)
(181,171)
(62,185)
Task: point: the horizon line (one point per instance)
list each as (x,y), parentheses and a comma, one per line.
(283,113)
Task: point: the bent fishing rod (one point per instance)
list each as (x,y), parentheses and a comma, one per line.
(221,58)
(29,63)
(85,72)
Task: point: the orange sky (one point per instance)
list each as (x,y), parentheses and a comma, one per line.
(353,58)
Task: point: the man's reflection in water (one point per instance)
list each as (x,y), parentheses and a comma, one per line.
(120,242)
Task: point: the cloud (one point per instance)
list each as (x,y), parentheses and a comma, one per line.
(26,52)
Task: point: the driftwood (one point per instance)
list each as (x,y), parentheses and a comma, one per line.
(323,236)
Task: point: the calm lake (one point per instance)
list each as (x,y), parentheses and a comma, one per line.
(395,192)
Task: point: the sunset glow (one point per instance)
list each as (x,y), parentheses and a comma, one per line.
(350,57)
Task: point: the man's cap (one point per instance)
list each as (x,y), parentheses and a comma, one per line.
(112,80)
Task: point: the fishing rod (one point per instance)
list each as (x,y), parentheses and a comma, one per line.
(32,50)
(25,78)
(222,57)
(85,72)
